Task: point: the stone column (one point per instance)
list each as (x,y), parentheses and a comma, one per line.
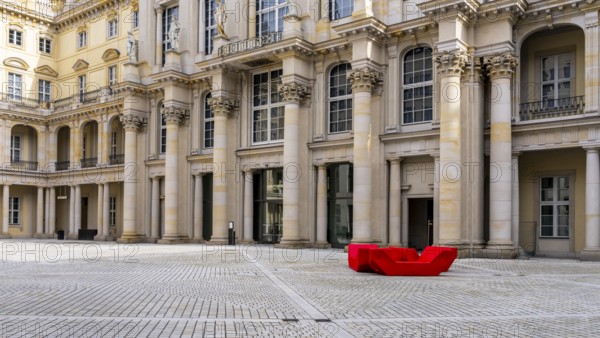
(501,69)
(592,207)
(100,213)
(363,80)
(159,33)
(173,116)
(77,210)
(436,199)
(592,63)
(106,212)
(72,213)
(450,66)
(52,213)
(248,206)
(155,209)
(291,93)
(322,205)
(39,233)
(198,208)
(515,200)
(131,123)
(395,212)
(221,108)
(47,232)
(5,208)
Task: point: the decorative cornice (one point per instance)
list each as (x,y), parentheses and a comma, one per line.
(364,79)
(292,92)
(133,121)
(499,66)
(451,63)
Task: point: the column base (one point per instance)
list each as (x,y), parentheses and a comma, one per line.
(126,239)
(590,255)
(5,236)
(40,236)
(102,238)
(171,240)
(152,240)
(296,244)
(361,241)
(195,241)
(217,241)
(322,245)
(500,250)
(395,245)
(248,241)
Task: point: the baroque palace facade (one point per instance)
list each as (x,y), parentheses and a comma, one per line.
(306,123)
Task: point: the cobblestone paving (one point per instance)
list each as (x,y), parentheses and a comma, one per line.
(88,289)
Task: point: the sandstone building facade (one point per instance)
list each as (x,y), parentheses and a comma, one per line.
(463,122)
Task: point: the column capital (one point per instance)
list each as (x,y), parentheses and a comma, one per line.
(292,92)
(451,62)
(175,115)
(516,153)
(363,79)
(394,158)
(132,121)
(501,65)
(592,148)
(158,9)
(320,164)
(221,105)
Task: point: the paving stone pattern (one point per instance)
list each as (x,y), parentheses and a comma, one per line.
(89,289)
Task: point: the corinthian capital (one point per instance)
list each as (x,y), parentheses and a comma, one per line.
(175,115)
(501,65)
(221,105)
(292,92)
(363,79)
(132,121)
(451,63)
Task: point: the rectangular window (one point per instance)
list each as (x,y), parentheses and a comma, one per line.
(45,45)
(15,37)
(113,28)
(209,124)
(44,90)
(15,82)
(340,9)
(169,15)
(15,148)
(113,143)
(112,75)
(210,25)
(558,75)
(417,92)
(163,134)
(554,206)
(84,147)
(269,16)
(14,210)
(81,39)
(135,16)
(112,211)
(82,82)
(267,110)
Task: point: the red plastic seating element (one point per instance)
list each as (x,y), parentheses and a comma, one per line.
(402,254)
(432,262)
(358,256)
(447,254)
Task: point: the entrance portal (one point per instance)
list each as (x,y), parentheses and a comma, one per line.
(339,204)
(420,222)
(268,205)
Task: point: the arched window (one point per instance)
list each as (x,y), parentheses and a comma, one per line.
(209,124)
(340,99)
(418,86)
(163,130)
(340,9)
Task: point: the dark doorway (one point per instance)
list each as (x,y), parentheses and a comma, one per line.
(207,206)
(268,205)
(84,213)
(339,204)
(420,222)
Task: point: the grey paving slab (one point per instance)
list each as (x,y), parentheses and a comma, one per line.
(87,289)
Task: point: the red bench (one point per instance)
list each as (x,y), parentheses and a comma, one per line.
(358,256)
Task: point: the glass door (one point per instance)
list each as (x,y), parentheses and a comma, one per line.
(339,211)
(268,206)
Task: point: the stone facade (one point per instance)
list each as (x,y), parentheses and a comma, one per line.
(465,123)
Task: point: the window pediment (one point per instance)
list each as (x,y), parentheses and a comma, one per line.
(111,54)
(80,64)
(16,63)
(46,70)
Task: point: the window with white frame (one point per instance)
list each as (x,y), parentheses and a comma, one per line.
(135,19)
(340,9)
(45,45)
(554,206)
(14,210)
(417,86)
(113,26)
(84,147)
(340,99)
(168,16)
(163,131)
(82,83)
(209,124)
(112,211)
(267,108)
(557,78)
(112,75)
(44,88)
(113,143)
(15,148)
(82,39)
(269,16)
(15,37)
(210,26)
(15,83)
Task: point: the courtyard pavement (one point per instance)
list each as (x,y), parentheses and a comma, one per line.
(90,289)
